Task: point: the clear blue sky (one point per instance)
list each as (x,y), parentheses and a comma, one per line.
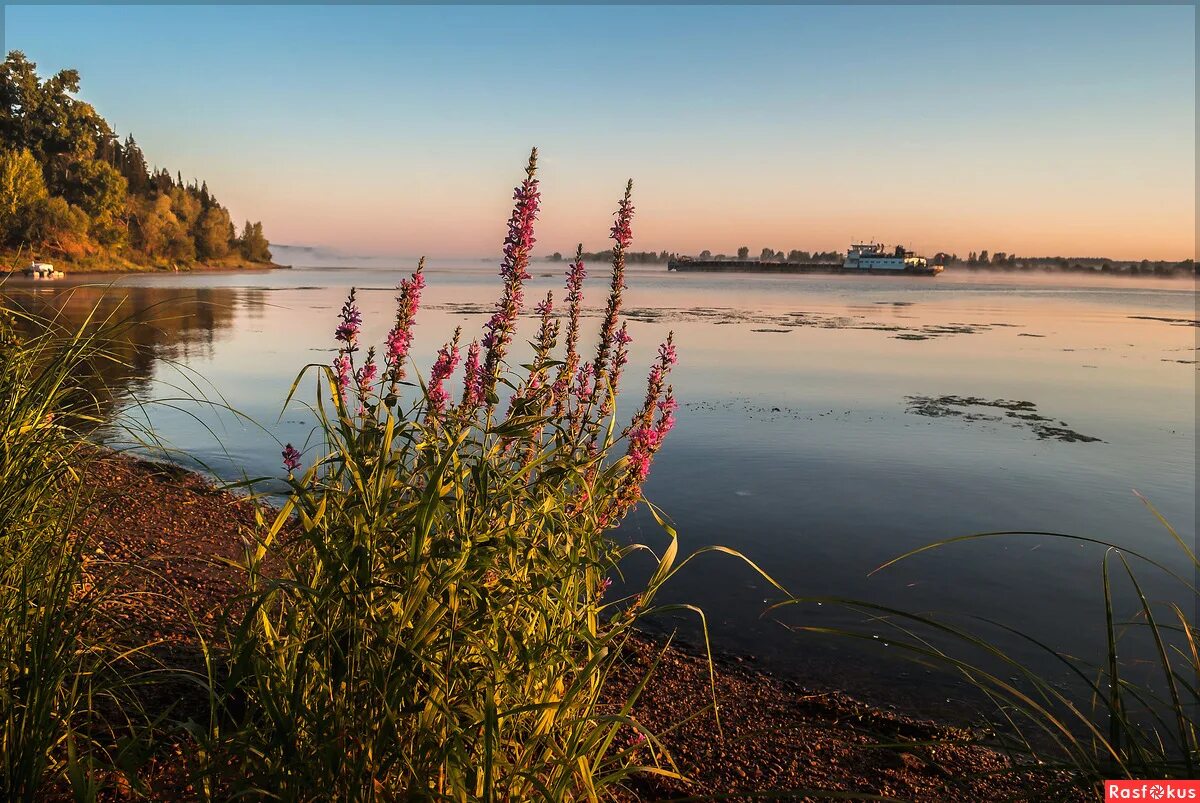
(398,129)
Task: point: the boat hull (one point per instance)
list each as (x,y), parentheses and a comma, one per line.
(754,266)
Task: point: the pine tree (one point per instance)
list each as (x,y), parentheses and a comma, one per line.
(133,167)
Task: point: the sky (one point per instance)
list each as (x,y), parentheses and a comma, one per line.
(401,130)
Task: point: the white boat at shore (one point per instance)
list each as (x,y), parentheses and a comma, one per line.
(42,270)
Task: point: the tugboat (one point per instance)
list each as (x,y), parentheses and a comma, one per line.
(42,270)
(872,257)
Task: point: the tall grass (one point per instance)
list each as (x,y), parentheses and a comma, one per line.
(1131,713)
(53,660)
(428,616)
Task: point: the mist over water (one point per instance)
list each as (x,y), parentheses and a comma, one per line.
(827,424)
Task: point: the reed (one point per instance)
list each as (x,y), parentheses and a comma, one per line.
(55,655)
(1131,713)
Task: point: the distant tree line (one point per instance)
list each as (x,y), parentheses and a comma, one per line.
(1001,260)
(69,186)
(975,260)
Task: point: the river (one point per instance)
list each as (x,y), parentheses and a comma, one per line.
(827,424)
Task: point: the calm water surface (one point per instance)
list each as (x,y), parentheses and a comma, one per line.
(808,435)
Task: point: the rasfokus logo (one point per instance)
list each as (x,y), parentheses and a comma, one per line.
(1151,790)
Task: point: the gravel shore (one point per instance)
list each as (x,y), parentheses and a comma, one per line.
(773,735)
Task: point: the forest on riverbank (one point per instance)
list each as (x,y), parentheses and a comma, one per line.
(72,191)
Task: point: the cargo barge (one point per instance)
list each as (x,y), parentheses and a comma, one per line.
(868,258)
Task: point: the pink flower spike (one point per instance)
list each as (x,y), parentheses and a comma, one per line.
(583,384)
(514,268)
(291,458)
(342,369)
(622,233)
(366,376)
(350,324)
(399,339)
(666,353)
(576,273)
(622,230)
(473,381)
(445,364)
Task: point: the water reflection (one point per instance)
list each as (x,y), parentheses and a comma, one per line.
(807,436)
(150,325)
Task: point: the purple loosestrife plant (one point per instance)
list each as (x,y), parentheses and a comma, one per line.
(421,548)
(576,273)
(579,400)
(364,381)
(291,459)
(436,394)
(346,333)
(399,339)
(645,434)
(547,332)
(343,370)
(584,384)
(473,379)
(622,236)
(368,372)
(618,359)
(534,395)
(547,338)
(514,270)
(350,324)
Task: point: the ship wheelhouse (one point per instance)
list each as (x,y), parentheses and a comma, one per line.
(873,256)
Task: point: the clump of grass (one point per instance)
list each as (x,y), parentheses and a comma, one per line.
(54,660)
(440,626)
(1132,714)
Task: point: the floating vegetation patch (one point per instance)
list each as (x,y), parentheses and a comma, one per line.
(781,331)
(752,408)
(464,308)
(644,315)
(1022,414)
(288,289)
(764,321)
(1172,321)
(1028,334)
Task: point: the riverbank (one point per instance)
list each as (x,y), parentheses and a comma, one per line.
(173,537)
(13,262)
